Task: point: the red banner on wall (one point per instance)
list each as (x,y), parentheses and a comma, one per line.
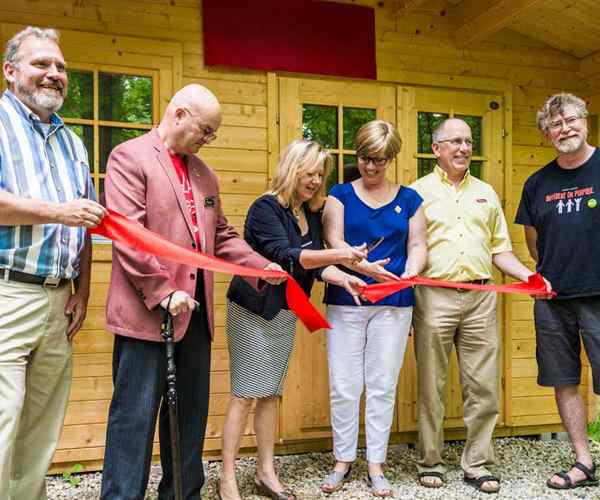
(304,36)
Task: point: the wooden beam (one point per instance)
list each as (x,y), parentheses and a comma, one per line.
(475,24)
(589,65)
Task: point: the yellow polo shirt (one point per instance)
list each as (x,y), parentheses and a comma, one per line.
(465,226)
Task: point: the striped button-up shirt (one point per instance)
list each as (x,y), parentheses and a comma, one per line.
(44,162)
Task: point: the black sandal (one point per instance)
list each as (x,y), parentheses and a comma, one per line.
(432,473)
(477,483)
(590,478)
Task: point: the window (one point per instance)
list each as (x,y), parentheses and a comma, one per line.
(334,127)
(427,122)
(106,108)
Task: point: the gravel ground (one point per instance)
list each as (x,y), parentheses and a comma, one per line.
(525,466)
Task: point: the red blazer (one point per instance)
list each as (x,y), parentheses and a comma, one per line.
(141,183)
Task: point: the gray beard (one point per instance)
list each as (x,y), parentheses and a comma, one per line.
(571,146)
(51,103)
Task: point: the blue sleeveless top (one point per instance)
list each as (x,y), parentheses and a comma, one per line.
(363,224)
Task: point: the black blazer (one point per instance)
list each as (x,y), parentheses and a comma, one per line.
(272,231)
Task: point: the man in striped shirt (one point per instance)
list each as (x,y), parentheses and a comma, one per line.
(46,202)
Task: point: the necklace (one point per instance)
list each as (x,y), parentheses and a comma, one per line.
(297,211)
(381,199)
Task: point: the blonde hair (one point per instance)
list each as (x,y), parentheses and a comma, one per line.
(299,157)
(555,105)
(378,139)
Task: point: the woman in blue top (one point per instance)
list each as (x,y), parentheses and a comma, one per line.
(366,344)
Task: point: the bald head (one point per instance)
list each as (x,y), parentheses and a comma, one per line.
(196,97)
(452,146)
(191,120)
(439,134)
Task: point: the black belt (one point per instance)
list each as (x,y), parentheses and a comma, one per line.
(472,282)
(477,282)
(46,281)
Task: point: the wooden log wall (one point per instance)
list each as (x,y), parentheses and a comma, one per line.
(418,49)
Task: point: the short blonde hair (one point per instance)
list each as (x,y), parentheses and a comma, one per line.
(299,157)
(555,105)
(378,139)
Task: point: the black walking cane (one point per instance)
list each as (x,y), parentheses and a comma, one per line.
(166,332)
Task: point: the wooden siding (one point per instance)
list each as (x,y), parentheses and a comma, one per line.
(413,49)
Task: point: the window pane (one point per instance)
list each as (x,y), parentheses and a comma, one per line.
(353,119)
(332,178)
(475,124)
(320,123)
(427,123)
(425,166)
(125,98)
(111,137)
(476,169)
(78,103)
(86,134)
(350,168)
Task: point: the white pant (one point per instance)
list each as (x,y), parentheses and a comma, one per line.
(365,349)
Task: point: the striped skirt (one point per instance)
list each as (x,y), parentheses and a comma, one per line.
(259,351)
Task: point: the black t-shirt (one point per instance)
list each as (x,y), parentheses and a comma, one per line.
(564,207)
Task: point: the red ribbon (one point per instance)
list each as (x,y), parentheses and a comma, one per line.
(535,286)
(117,227)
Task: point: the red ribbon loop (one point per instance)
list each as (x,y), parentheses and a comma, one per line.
(535,286)
(117,227)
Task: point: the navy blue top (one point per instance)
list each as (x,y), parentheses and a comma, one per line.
(363,224)
(272,230)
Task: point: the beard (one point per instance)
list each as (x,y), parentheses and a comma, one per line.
(571,145)
(46,99)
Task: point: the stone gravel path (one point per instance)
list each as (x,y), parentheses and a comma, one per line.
(525,466)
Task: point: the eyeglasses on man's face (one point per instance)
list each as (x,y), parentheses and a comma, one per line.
(208,132)
(568,122)
(457,142)
(378,162)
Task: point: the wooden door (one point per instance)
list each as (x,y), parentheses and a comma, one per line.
(420,110)
(329,112)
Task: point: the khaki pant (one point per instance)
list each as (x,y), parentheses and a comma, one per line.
(35,378)
(443,319)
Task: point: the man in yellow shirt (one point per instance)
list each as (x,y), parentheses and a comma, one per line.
(466,234)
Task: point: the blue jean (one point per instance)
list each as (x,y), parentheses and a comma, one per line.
(139,377)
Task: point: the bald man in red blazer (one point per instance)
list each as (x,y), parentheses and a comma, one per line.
(157,180)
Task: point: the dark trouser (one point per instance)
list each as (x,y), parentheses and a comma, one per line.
(139,377)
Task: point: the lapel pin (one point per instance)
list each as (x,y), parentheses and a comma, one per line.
(397,209)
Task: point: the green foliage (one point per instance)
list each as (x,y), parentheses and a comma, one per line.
(354,118)
(593,430)
(427,123)
(78,103)
(70,477)
(125,98)
(320,124)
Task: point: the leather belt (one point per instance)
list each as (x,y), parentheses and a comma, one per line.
(472,282)
(477,282)
(46,281)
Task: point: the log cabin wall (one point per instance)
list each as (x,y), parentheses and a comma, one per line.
(415,50)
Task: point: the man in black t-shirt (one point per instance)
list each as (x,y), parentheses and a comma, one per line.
(560,209)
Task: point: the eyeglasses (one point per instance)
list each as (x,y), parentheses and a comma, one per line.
(209,133)
(569,122)
(378,162)
(457,142)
